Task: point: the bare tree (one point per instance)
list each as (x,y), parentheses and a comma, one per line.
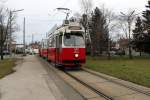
(77,15)
(123,28)
(7,21)
(128,20)
(111,23)
(118,36)
(86,6)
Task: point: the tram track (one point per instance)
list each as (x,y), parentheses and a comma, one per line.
(90,87)
(112,90)
(119,83)
(60,72)
(105,91)
(106,97)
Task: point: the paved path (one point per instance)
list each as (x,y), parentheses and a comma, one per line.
(29,82)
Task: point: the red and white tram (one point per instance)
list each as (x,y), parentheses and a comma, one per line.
(43,51)
(66,45)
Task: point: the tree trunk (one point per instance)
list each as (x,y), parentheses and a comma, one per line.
(140,53)
(109,57)
(92,50)
(108,50)
(1,52)
(130,52)
(85,30)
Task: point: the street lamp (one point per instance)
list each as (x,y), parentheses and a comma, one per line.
(10,20)
(24,46)
(17,10)
(130,18)
(66,11)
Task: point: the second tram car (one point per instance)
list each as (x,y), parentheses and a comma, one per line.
(43,51)
(66,46)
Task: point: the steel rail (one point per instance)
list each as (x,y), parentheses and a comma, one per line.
(90,87)
(121,84)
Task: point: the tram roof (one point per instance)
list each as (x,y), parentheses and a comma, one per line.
(68,27)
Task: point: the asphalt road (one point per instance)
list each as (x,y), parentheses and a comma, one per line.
(32,81)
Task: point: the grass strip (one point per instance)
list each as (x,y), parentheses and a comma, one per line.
(6,67)
(136,70)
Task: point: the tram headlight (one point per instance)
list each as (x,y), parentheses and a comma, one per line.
(76,55)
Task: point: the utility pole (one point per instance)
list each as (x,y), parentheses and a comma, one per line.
(32,38)
(10,29)
(24,46)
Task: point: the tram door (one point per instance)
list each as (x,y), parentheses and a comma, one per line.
(58,48)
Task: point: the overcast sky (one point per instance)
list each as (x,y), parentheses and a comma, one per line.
(41,15)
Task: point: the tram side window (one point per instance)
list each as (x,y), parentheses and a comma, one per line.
(60,40)
(57,41)
(53,42)
(50,42)
(42,44)
(45,44)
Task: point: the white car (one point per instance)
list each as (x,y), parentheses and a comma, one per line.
(35,51)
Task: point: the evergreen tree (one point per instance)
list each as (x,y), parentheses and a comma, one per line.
(99,32)
(138,35)
(146,21)
(146,15)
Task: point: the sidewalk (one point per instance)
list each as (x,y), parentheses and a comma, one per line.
(29,82)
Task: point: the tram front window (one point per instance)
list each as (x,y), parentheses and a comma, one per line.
(73,39)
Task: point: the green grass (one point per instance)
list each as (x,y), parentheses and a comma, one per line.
(6,67)
(136,70)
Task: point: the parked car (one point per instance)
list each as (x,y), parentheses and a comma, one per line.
(6,52)
(120,52)
(35,51)
(112,52)
(19,51)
